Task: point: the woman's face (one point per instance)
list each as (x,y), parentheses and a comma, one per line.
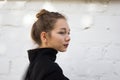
(59,38)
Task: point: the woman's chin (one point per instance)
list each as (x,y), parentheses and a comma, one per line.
(63,50)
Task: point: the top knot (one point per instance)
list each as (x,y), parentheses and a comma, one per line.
(43,11)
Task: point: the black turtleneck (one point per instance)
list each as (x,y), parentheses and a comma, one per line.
(42,65)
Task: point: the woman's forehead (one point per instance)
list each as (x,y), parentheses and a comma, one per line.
(61,24)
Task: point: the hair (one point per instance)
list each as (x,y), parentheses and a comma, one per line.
(45,23)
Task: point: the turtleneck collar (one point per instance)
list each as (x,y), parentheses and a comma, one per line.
(49,52)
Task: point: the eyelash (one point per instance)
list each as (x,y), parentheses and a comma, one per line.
(68,33)
(64,33)
(61,32)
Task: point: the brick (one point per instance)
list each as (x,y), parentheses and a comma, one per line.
(4,66)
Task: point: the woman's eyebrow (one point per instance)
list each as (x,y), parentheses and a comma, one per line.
(64,29)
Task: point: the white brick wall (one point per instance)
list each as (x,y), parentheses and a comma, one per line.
(94,52)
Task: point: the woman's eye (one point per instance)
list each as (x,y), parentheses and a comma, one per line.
(68,33)
(61,32)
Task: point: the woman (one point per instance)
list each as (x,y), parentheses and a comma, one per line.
(51,33)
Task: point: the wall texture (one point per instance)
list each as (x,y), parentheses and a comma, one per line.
(94,52)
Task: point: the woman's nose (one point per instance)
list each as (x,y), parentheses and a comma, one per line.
(67,38)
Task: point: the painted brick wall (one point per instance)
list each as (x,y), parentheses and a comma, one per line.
(94,51)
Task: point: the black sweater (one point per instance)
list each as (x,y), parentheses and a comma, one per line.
(42,65)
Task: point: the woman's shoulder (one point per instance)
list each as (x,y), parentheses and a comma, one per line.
(55,67)
(54,72)
(49,65)
(49,69)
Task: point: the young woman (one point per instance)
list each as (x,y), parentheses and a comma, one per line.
(51,33)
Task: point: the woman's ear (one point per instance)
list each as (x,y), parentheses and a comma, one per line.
(43,36)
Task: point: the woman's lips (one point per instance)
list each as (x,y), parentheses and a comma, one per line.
(66,45)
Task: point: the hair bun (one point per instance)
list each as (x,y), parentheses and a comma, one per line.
(43,11)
